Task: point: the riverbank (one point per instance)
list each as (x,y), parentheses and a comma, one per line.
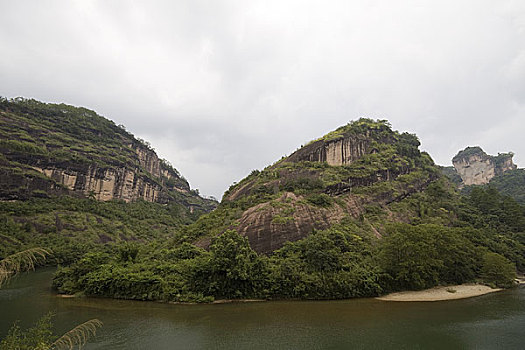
(441,293)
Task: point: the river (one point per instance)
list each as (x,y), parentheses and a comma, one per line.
(493,321)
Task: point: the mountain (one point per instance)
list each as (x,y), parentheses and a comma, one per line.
(473,167)
(358,212)
(71,180)
(358,170)
(512,184)
(55,149)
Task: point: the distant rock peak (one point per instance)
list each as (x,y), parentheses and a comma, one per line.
(475,167)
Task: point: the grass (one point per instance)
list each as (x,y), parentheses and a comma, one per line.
(78,336)
(21,261)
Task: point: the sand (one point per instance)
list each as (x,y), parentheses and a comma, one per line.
(441,293)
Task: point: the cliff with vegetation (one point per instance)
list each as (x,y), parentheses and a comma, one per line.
(56,149)
(475,167)
(72,182)
(358,212)
(341,175)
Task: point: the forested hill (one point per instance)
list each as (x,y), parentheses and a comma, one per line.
(54,149)
(72,182)
(358,212)
(473,167)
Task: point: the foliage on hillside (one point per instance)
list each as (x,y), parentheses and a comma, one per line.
(429,234)
(71,227)
(36,135)
(341,262)
(511,183)
(62,133)
(58,136)
(469,152)
(413,230)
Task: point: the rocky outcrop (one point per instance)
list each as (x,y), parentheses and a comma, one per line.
(340,176)
(148,181)
(147,178)
(340,151)
(269,225)
(475,167)
(107,184)
(58,149)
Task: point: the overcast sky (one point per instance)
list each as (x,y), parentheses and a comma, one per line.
(223,87)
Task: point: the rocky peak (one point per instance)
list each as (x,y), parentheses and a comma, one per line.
(346,144)
(475,167)
(333,178)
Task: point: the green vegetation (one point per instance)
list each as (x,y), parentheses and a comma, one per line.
(71,227)
(21,261)
(468,152)
(40,336)
(341,262)
(431,234)
(335,263)
(423,256)
(387,221)
(362,126)
(497,270)
(511,183)
(36,136)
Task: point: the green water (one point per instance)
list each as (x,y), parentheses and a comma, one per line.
(494,321)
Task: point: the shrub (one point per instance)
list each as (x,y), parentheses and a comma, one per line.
(320,199)
(497,270)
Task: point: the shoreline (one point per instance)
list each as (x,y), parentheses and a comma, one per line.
(441,293)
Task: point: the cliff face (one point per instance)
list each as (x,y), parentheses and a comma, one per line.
(58,149)
(475,167)
(334,152)
(106,183)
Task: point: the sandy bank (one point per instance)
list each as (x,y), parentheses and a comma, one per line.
(441,293)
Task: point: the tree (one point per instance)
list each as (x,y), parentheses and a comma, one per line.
(497,270)
(236,269)
(410,258)
(423,256)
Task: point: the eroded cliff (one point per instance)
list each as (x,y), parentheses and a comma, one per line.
(475,167)
(337,177)
(49,149)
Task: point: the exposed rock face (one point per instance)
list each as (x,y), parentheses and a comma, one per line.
(268,226)
(335,152)
(58,149)
(337,177)
(149,180)
(107,184)
(475,167)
